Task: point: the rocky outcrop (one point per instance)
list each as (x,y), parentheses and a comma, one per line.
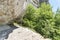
(11,9)
(22,33)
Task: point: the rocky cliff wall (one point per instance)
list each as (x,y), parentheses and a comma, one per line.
(11,9)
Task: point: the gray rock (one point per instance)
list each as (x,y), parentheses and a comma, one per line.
(4,27)
(5,30)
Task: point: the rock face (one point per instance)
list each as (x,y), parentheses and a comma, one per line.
(24,34)
(11,9)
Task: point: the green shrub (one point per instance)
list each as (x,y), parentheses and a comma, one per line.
(42,20)
(28,19)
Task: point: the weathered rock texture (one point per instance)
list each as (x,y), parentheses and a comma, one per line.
(11,9)
(25,34)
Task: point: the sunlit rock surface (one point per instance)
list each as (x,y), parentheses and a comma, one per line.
(22,33)
(11,9)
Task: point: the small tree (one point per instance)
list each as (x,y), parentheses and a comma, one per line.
(57,17)
(28,18)
(45,22)
(57,24)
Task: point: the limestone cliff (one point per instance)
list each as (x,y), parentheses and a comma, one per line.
(11,9)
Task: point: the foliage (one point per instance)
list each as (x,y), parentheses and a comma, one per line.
(29,17)
(57,24)
(43,21)
(57,17)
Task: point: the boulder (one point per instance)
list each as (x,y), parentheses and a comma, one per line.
(22,33)
(11,9)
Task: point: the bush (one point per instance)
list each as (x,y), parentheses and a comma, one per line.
(42,20)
